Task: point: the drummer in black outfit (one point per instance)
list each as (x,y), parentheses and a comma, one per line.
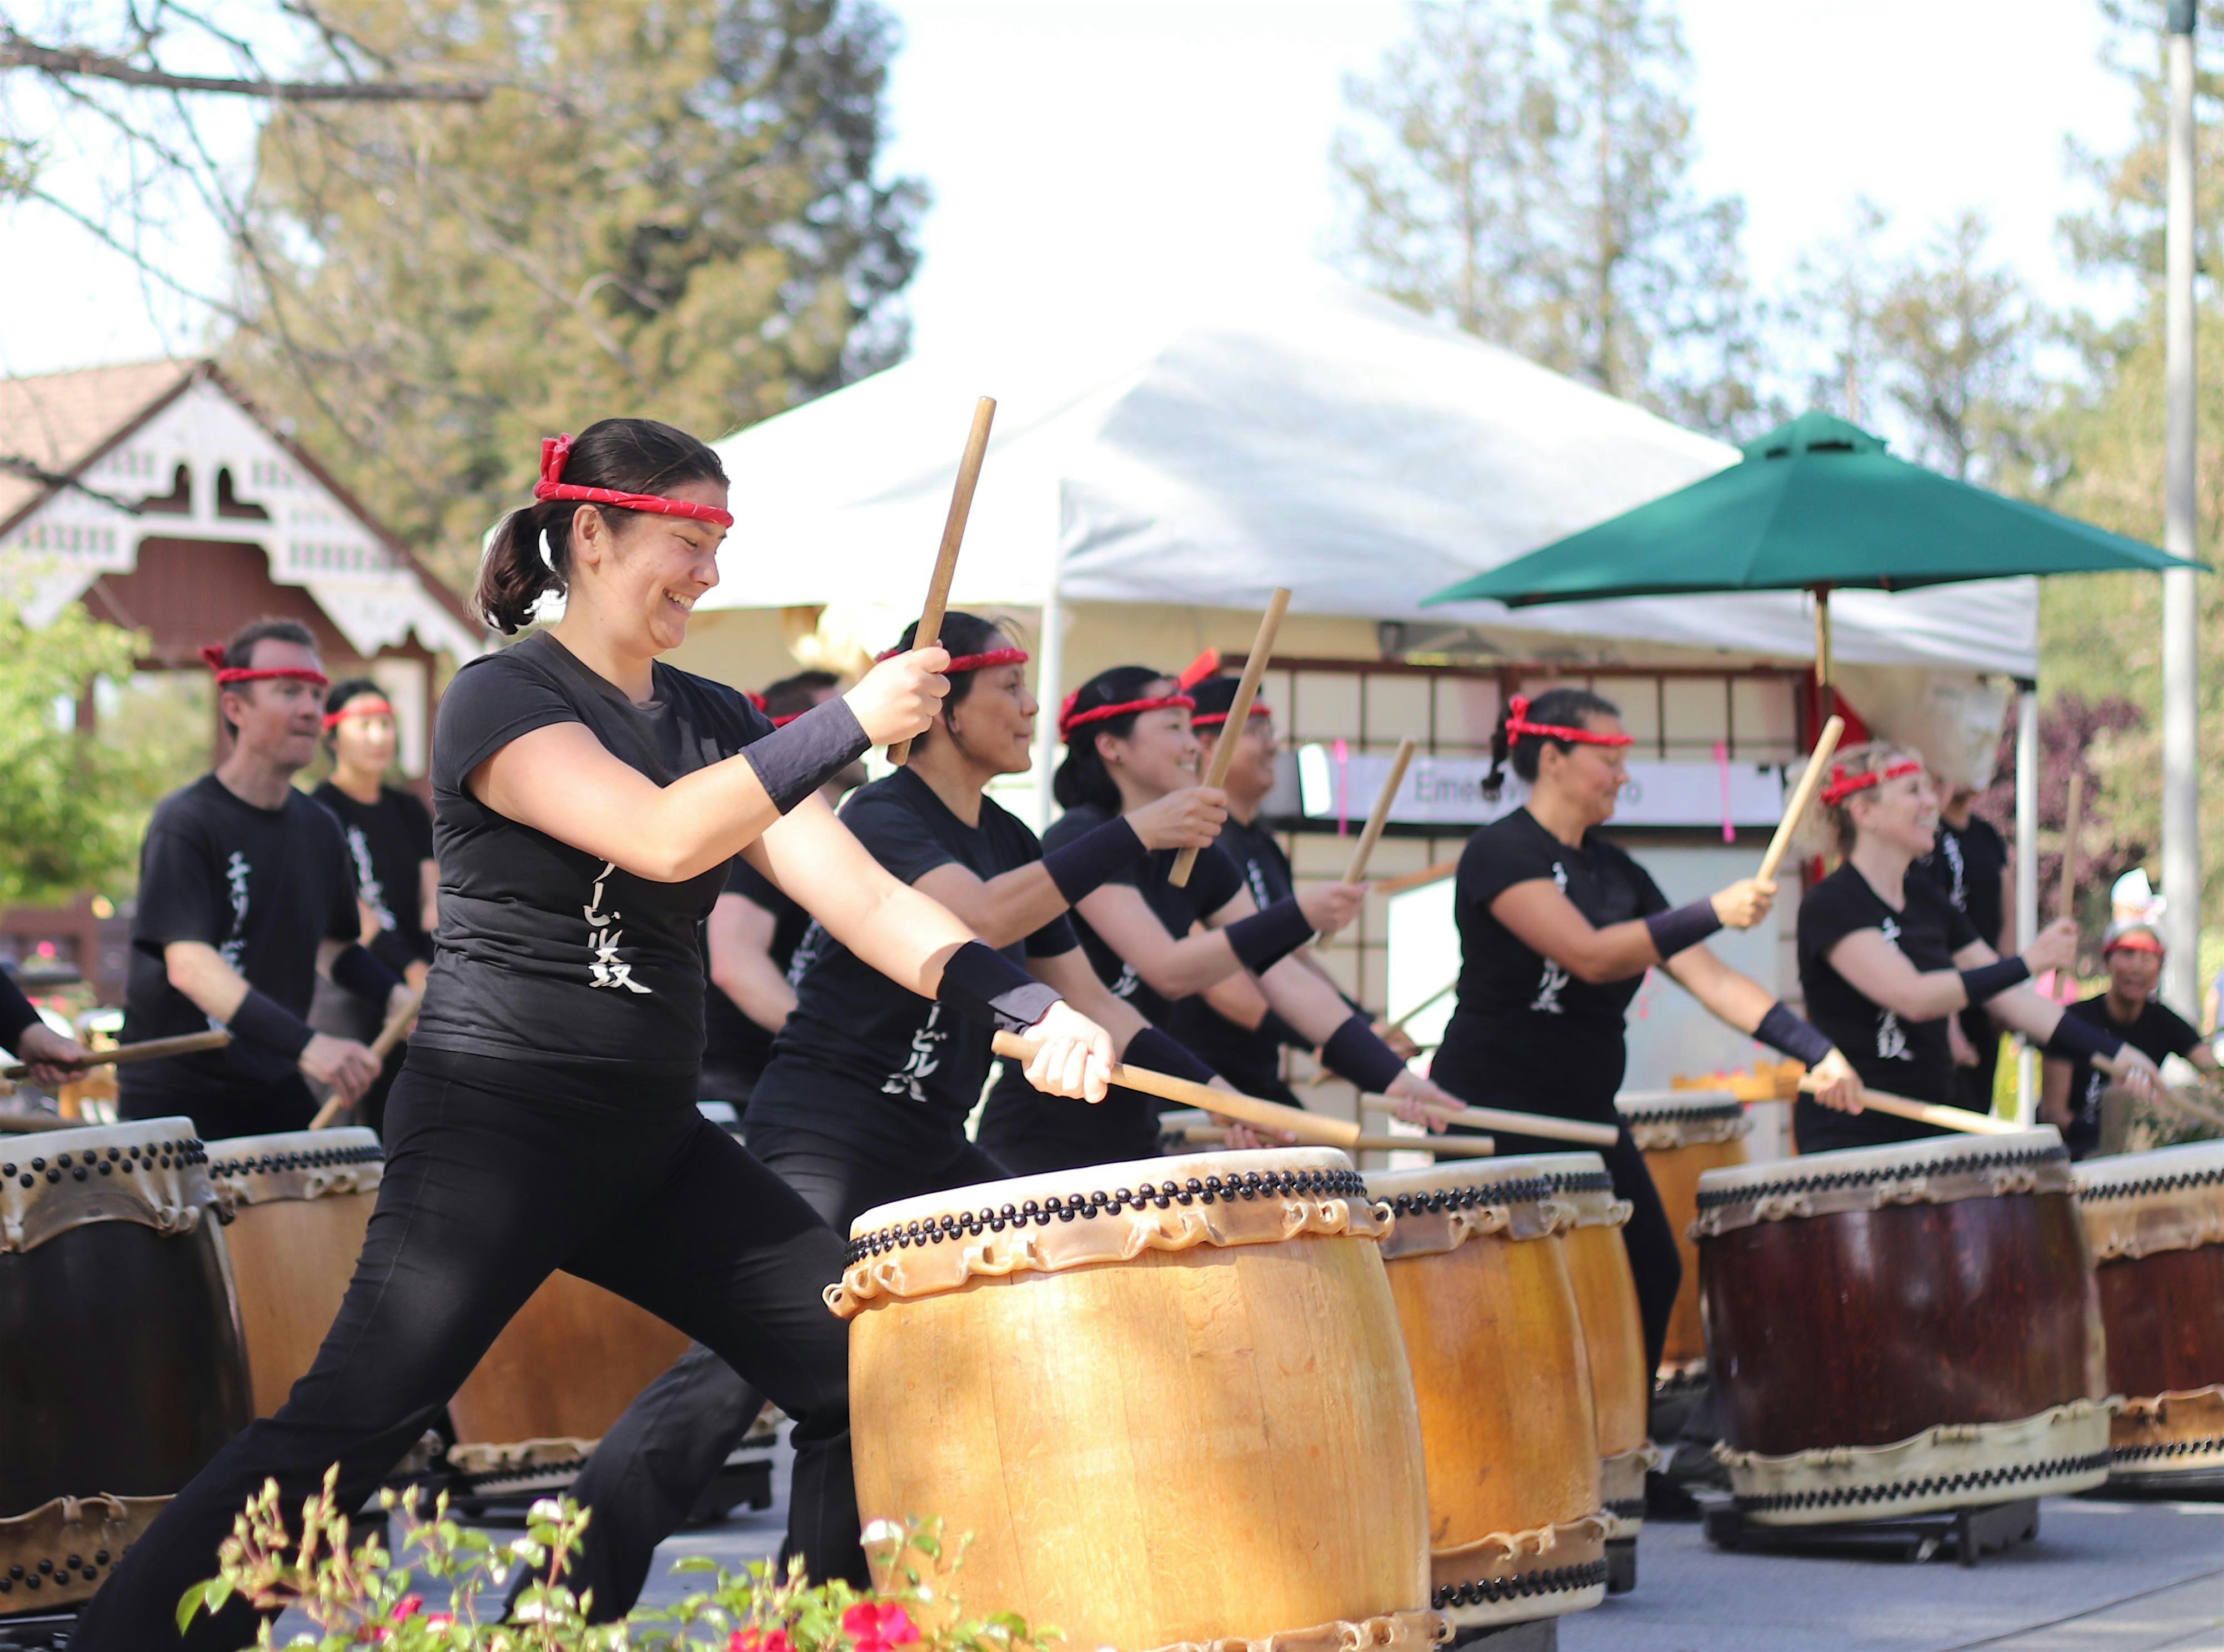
(1558,926)
(53,1059)
(389,843)
(1884,959)
(2070,1097)
(1971,865)
(1127,744)
(751,934)
(587,799)
(246,895)
(865,1098)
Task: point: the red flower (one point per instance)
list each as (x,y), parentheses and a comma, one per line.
(751,1640)
(408,1606)
(879,1627)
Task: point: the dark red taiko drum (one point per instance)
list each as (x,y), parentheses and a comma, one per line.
(2156,1221)
(121,1368)
(1905,1329)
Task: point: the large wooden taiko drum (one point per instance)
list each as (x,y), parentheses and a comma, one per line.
(299,1205)
(1491,1333)
(1899,1330)
(120,1369)
(1168,1400)
(2156,1221)
(1683,1134)
(1613,1334)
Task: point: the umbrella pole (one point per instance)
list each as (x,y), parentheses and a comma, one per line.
(1823,697)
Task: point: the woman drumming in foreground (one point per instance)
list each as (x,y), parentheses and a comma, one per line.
(587,799)
(1558,926)
(1886,960)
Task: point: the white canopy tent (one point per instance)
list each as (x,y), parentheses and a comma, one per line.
(1307,434)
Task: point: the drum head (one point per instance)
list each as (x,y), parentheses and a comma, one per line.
(2192,1165)
(1525,1177)
(292,1143)
(1937,1169)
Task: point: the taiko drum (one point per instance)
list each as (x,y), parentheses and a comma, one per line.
(1168,1400)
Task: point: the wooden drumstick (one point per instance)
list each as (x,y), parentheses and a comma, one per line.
(1357,871)
(953,535)
(146,1050)
(1239,714)
(1442,1146)
(1314,1129)
(1928,1113)
(29,1123)
(1801,795)
(2120,1071)
(1425,876)
(2075,819)
(380,1047)
(1526,1123)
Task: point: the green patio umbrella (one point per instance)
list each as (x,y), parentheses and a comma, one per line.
(1816,505)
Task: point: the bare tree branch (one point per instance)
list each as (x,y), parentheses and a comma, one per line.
(31,470)
(17,52)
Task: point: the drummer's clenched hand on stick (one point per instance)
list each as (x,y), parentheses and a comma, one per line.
(1073,1056)
(53,1061)
(905,693)
(1743,904)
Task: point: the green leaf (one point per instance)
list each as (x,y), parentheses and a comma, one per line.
(191,1602)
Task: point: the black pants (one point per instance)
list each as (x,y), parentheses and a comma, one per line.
(662,1455)
(485,1194)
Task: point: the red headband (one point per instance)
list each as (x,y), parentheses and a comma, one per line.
(365,708)
(555,450)
(1518,724)
(1214,719)
(212,656)
(958,663)
(1843,786)
(1069,718)
(2134,941)
(758,701)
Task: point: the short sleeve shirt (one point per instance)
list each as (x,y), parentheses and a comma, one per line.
(548,954)
(1213,882)
(2159,1031)
(1525,1028)
(1248,1057)
(1910,1058)
(733,1043)
(1968,865)
(264,887)
(860,1056)
(388,842)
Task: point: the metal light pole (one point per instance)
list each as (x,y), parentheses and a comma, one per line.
(2026,874)
(2180,624)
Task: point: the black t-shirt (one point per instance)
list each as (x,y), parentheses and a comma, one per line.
(1910,1058)
(732,1044)
(1968,865)
(1250,1058)
(264,887)
(1029,1131)
(549,955)
(388,841)
(862,1060)
(2158,1032)
(1525,1032)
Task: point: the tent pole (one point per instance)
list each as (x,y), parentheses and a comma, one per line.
(1050,677)
(2181,619)
(1823,696)
(2026,873)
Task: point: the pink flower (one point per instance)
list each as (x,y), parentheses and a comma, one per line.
(879,1627)
(407,1607)
(750,1640)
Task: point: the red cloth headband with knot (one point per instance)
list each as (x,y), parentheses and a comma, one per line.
(958,663)
(357,708)
(213,657)
(1843,786)
(1518,724)
(1069,718)
(555,451)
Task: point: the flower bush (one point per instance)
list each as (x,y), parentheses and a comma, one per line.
(366,1596)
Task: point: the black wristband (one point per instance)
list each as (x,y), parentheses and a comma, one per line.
(1990,981)
(2075,1040)
(265,1021)
(1782,1031)
(981,984)
(1354,1052)
(358,971)
(798,758)
(393,950)
(1097,856)
(1682,929)
(1161,1053)
(1265,938)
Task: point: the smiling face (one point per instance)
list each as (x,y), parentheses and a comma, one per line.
(364,740)
(1159,755)
(2134,972)
(1588,777)
(994,726)
(642,571)
(1902,813)
(279,719)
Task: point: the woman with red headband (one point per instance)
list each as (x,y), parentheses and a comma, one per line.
(390,840)
(1128,744)
(2070,1097)
(1885,959)
(1558,926)
(587,799)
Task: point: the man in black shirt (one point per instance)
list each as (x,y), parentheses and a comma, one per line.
(2070,1097)
(1971,865)
(752,933)
(245,894)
